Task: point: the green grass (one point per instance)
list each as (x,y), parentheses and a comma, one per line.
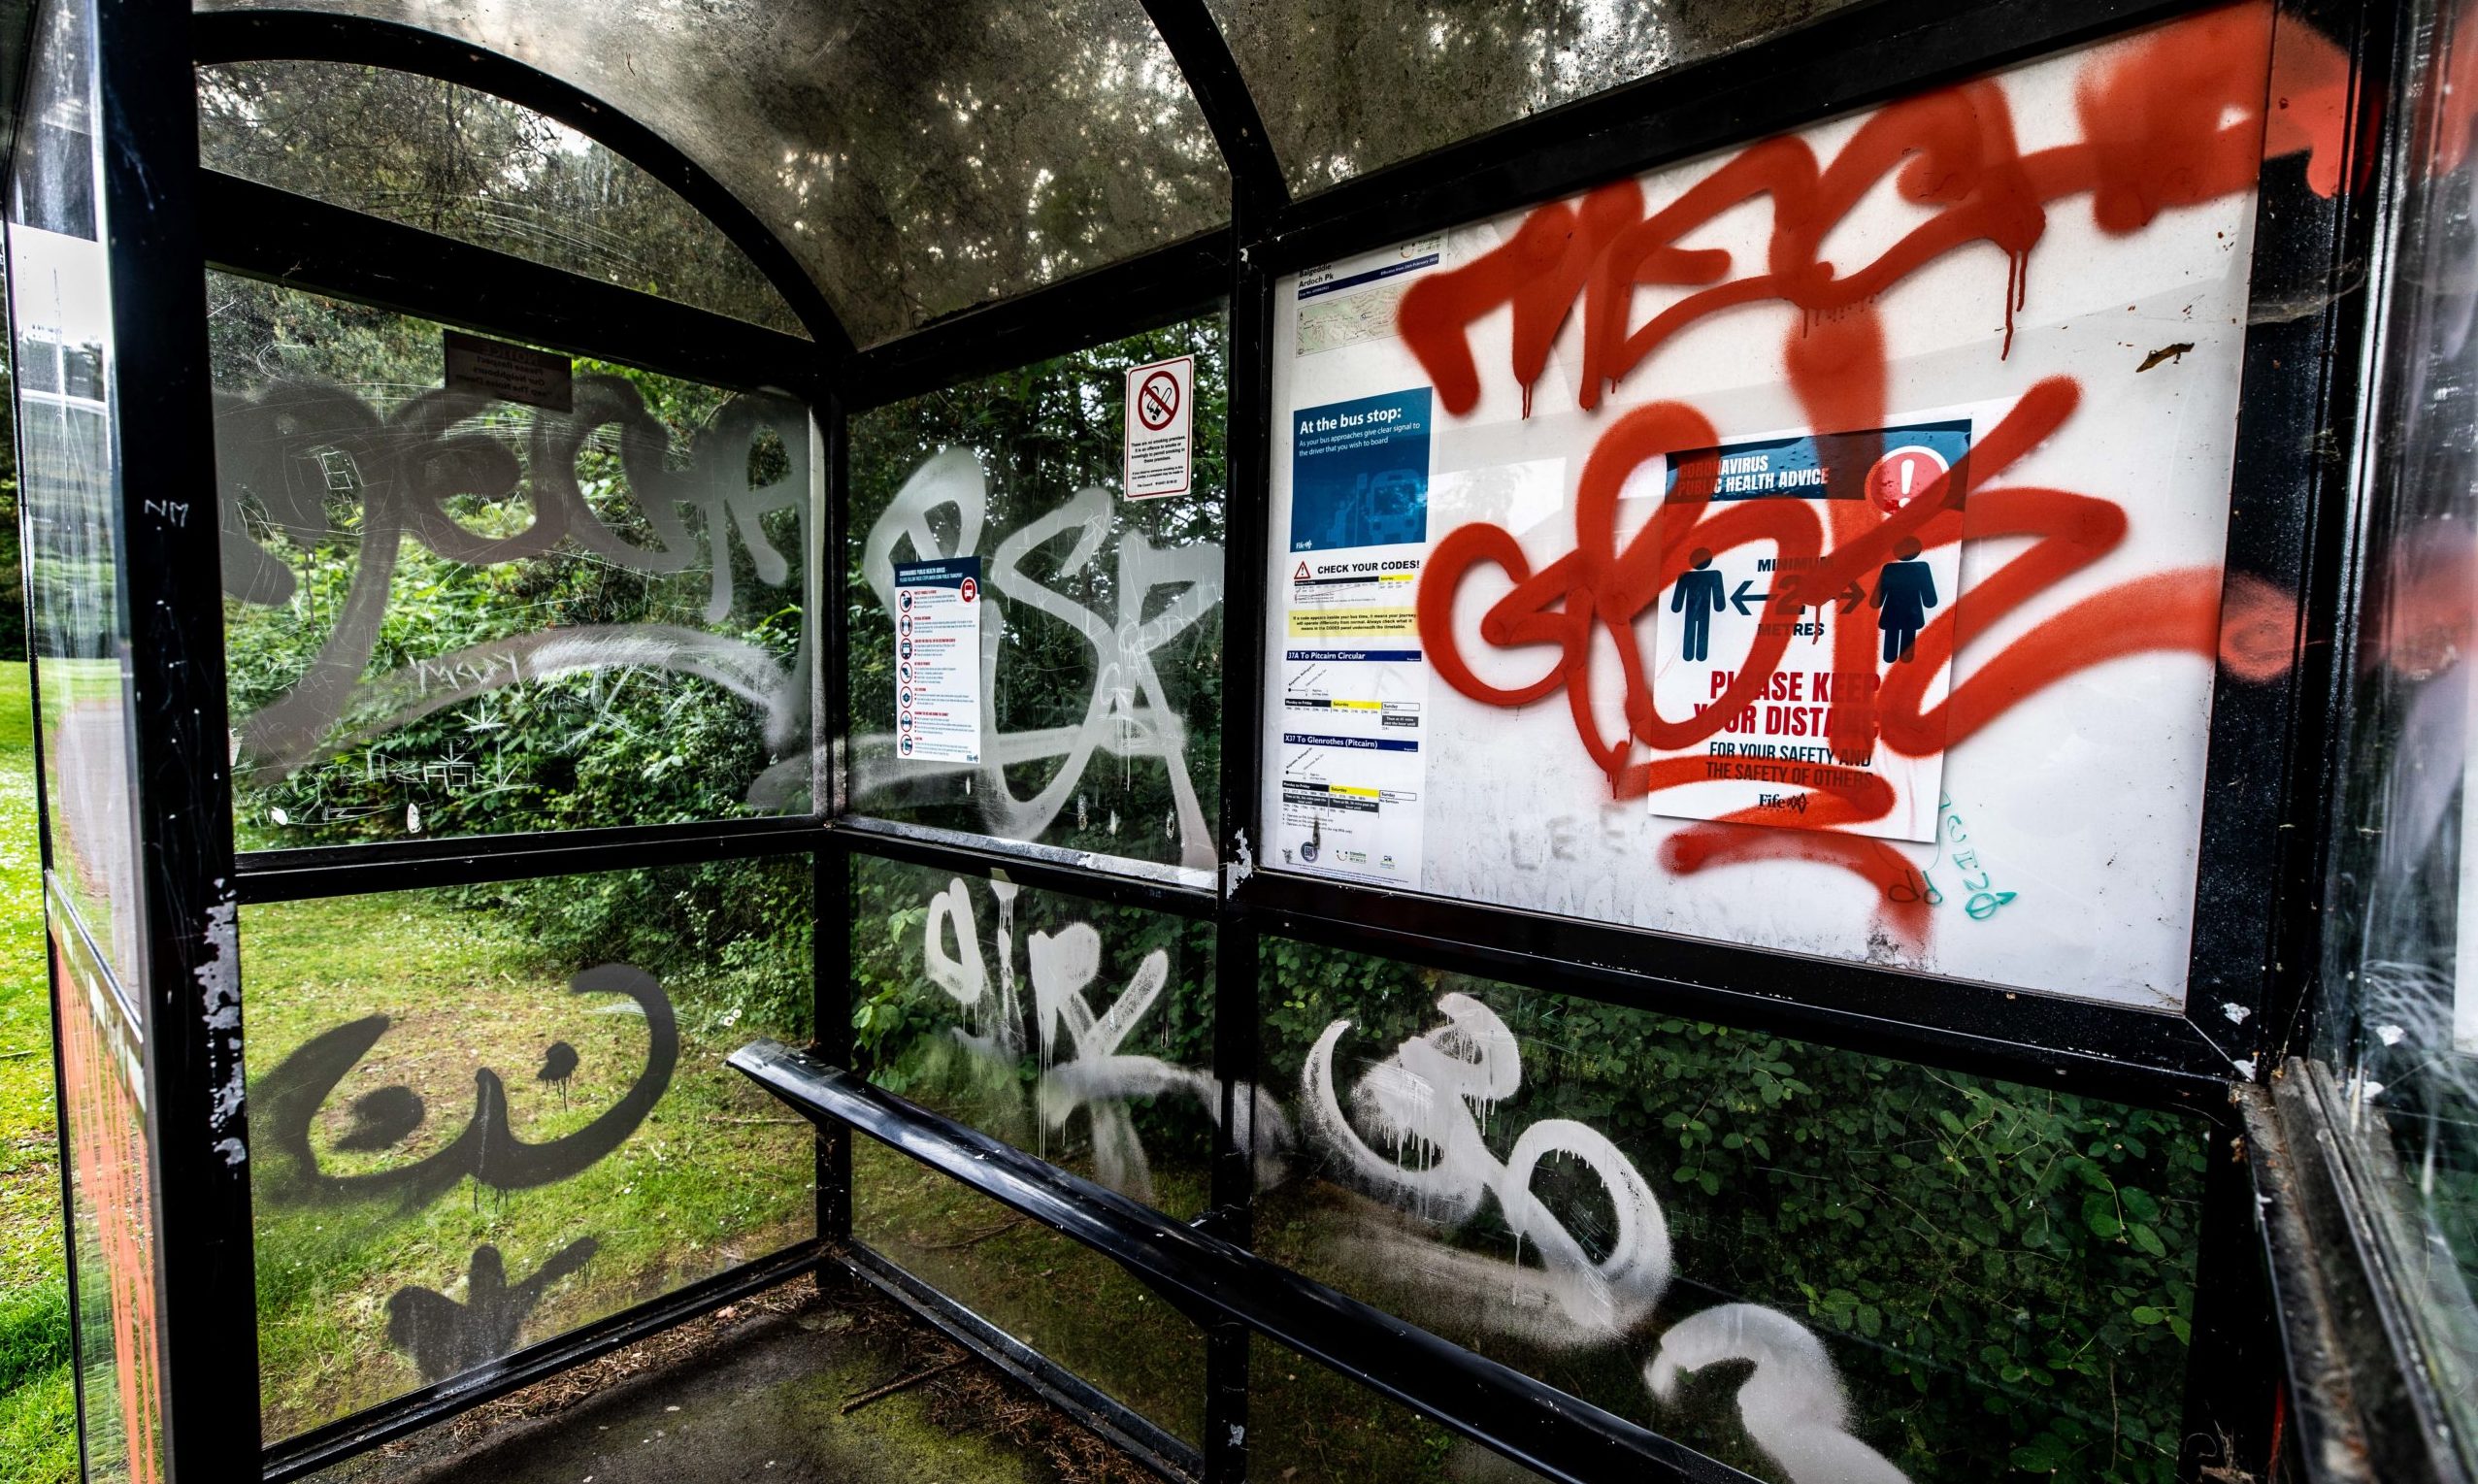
(38,1403)
(716,1175)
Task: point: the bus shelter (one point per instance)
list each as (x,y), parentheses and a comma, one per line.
(1391,739)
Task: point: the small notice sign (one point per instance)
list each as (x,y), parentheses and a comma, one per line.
(937,660)
(511,373)
(1161,413)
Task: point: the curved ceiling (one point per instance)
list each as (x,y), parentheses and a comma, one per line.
(921,158)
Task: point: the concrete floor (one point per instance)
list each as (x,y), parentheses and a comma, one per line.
(790,1386)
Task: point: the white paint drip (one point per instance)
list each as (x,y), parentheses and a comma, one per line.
(1083,1067)
(1430,1101)
(1792,1405)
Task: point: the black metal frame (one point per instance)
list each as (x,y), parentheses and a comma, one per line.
(304,36)
(2254,897)
(1208,1277)
(2253,884)
(2338,1295)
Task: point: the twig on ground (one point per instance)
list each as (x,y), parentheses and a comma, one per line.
(900,1384)
(977,1236)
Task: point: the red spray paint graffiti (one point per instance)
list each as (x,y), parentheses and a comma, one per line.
(2179,117)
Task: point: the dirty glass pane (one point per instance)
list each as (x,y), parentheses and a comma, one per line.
(1347,87)
(480,1116)
(1075,1030)
(1066,1300)
(1091,719)
(1308,1425)
(476,168)
(1946,1276)
(452,613)
(77,632)
(61,301)
(916,159)
(2396,1067)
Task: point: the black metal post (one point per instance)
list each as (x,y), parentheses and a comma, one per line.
(206,1318)
(831,936)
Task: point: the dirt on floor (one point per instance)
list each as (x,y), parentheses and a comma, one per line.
(792,1384)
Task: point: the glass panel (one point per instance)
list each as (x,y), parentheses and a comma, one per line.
(1308,1425)
(61,301)
(476,168)
(1068,1301)
(916,160)
(62,343)
(1948,1276)
(103,1103)
(1845,572)
(449,614)
(2397,1040)
(1077,1031)
(1349,86)
(481,1116)
(1098,688)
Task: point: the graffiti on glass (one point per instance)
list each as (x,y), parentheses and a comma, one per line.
(303,462)
(1425,1108)
(1085,1064)
(445,1336)
(1131,711)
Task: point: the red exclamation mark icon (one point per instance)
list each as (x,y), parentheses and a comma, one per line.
(1903,475)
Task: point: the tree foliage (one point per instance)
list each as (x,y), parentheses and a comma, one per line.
(471,166)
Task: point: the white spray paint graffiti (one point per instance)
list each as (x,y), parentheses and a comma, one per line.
(1793,1404)
(1130,713)
(1429,1101)
(284,451)
(1084,1069)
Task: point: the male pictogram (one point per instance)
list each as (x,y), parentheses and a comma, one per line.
(1700,595)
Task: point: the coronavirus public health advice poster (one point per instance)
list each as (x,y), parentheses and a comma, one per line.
(938,660)
(1830,572)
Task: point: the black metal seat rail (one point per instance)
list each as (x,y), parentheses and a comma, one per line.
(1535,1425)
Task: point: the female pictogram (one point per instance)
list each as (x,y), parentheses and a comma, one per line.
(1904,590)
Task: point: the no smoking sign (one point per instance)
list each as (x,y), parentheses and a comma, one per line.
(1160,417)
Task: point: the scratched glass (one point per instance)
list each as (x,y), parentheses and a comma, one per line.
(451,614)
(2394,1071)
(1100,674)
(1936,1277)
(1347,87)
(1074,1030)
(476,168)
(916,159)
(77,632)
(483,1116)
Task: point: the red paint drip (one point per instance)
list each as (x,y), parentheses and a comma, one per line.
(2152,139)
